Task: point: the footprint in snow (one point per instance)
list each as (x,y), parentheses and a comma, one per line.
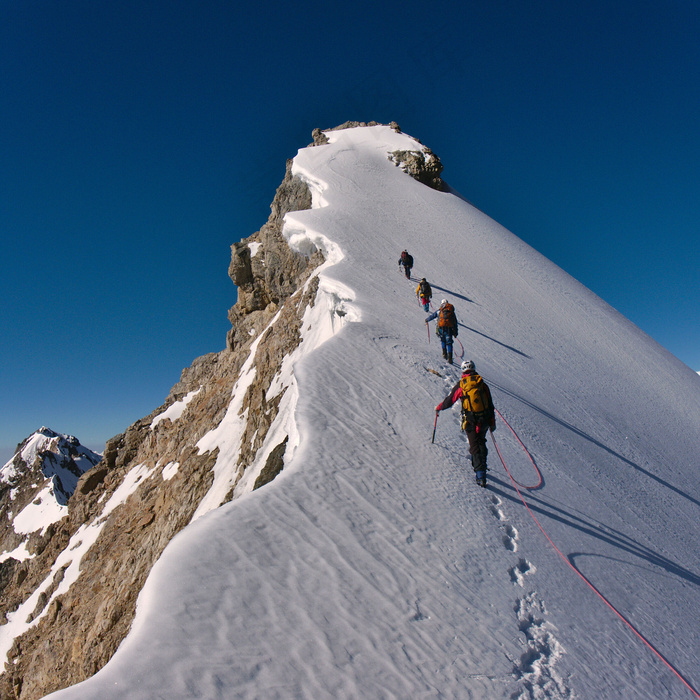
(497,512)
(510,539)
(536,666)
(511,534)
(520,570)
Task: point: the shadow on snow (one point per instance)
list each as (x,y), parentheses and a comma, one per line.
(593,529)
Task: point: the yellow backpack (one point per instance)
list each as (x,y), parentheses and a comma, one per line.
(475,399)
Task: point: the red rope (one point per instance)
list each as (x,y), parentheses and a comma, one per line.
(575,570)
(539,474)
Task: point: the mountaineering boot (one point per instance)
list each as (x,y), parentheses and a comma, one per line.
(449,357)
(444,354)
(481,478)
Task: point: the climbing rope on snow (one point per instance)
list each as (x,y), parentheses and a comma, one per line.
(493,437)
(634,630)
(461,357)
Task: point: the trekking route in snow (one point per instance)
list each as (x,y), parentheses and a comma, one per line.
(536,664)
(535,667)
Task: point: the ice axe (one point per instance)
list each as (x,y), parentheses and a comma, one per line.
(435,426)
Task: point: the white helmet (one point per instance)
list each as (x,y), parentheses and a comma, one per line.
(443,302)
(468,366)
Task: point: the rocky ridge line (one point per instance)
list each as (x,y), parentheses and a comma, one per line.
(78,631)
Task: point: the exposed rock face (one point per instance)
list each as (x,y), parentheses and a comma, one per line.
(422,165)
(165,475)
(79,586)
(264,268)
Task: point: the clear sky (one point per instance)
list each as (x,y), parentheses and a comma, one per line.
(140,139)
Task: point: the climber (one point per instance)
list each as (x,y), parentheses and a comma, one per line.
(406,260)
(446,327)
(478,415)
(424,293)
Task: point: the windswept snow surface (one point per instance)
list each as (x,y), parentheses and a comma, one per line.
(373,567)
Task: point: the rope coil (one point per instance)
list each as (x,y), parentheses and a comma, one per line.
(539,474)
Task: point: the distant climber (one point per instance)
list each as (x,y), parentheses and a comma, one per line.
(406,260)
(424,293)
(478,415)
(446,327)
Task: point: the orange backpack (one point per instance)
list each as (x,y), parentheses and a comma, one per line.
(446,317)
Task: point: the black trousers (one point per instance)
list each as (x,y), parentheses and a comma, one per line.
(476,434)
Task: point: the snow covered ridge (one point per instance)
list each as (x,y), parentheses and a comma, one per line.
(226,429)
(372,567)
(329,309)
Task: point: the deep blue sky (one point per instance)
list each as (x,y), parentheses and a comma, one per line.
(140,139)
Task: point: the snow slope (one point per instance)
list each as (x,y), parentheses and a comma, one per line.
(373,567)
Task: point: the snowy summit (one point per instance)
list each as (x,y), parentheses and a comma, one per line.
(373,566)
(38,481)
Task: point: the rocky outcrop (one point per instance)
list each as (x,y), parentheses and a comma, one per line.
(422,165)
(273,466)
(264,268)
(153,477)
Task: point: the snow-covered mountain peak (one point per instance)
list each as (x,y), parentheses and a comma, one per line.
(40,478)
(51,453)
(372,566)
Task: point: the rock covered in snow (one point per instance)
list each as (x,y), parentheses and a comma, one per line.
(422,165)
(60,458)
(35,486)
